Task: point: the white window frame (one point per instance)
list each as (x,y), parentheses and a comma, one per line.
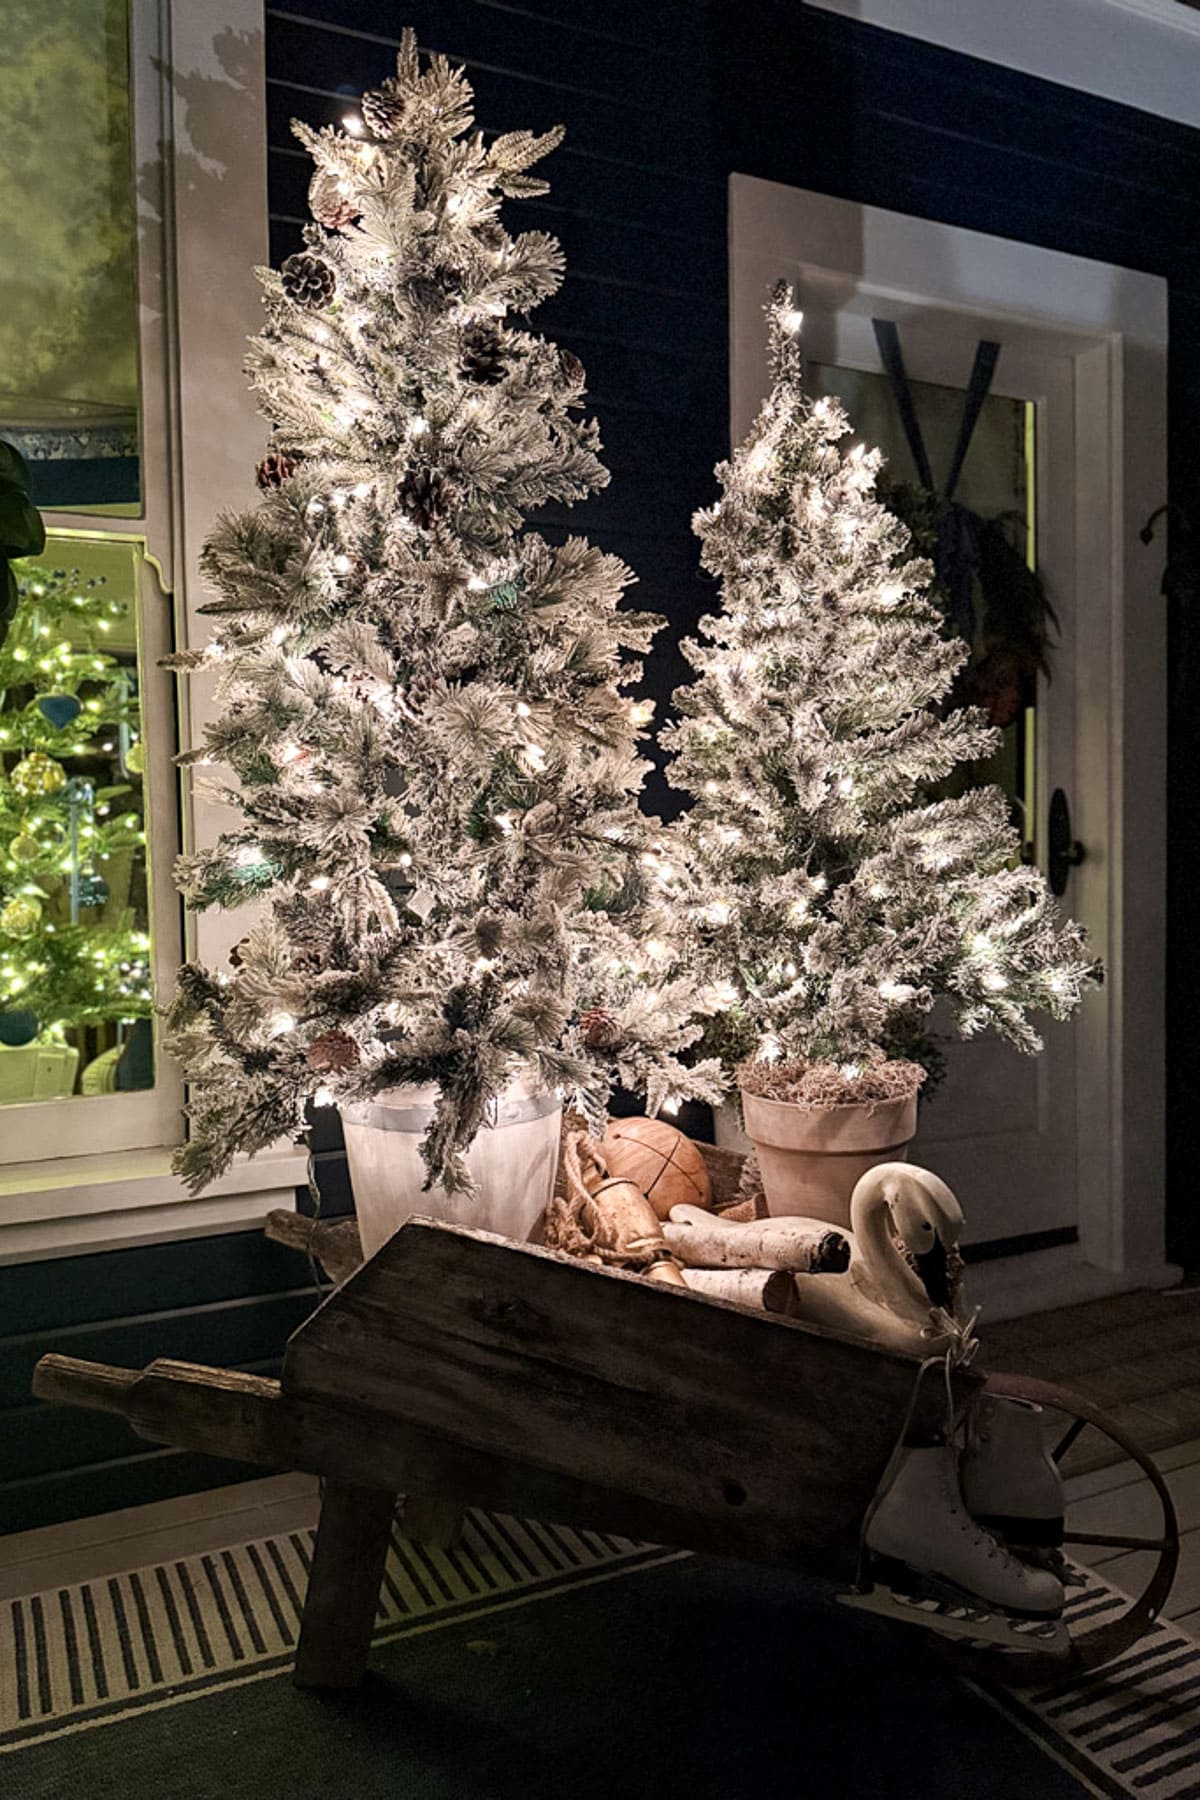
(202,230)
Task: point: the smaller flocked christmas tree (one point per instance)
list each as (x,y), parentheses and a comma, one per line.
(826,901)
(423,703)
(68,955)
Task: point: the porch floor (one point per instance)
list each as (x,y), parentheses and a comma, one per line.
(1137,1355)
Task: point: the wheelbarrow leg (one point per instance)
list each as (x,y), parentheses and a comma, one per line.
(343,1588)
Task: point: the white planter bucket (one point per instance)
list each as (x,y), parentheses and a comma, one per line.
(513,1163)
(727,1129)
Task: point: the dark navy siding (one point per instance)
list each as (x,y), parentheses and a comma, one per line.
(662,101)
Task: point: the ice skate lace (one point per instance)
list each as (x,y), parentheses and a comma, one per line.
(959,1351)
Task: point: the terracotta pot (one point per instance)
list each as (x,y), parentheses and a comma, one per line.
(812,1156)
(513,1163)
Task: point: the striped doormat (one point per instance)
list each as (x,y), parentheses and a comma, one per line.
(97,1651)
(1131,1728)
(77,1657)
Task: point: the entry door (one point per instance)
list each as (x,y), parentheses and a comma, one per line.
(1071,1141)
(1001,1128)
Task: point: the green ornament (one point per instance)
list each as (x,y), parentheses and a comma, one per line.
(60,710)
(25,848)
(37,775)
(135,758)
(21,917)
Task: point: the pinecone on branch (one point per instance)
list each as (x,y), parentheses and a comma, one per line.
(328,204)
(449,279)
(482,356)
(423,292)
(598,1029)
(333,1053)
(383,110)
(426,496)
(308,280)
(570,368)
(276,467)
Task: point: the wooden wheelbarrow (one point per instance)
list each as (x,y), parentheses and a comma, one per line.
(458,1368)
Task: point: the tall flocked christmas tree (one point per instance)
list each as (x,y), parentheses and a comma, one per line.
(827,900)
(72,951)
(422,700)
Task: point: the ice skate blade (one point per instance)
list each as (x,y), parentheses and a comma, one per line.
(968,1622)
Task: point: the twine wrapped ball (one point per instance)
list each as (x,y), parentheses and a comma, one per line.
(658,1159)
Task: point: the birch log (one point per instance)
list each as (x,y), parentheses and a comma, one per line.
(765,1290)
(703,1240)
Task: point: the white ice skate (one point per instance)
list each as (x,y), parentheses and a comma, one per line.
(1010,1482)
(935,1566)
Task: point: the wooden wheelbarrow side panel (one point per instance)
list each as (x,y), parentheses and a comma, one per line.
(222,1412)
(769,1437)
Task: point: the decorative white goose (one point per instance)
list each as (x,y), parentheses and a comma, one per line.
(881,1297)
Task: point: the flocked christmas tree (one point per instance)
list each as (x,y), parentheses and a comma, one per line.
(71,953)
(829,903)
(422,701)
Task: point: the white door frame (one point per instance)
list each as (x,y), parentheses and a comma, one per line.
(1113,324)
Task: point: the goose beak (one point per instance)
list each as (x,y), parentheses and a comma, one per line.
(934,1273)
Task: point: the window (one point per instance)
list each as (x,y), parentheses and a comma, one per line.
(82,943)
(68,323)
(140,237)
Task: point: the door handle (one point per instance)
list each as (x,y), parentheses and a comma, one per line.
(1065,851)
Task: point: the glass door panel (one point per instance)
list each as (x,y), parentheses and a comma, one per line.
(998,486)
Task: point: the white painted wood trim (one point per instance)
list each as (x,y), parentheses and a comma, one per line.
(1141,53)
(200,92)
(85,1203)
(1112,322)
(1013,1287)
